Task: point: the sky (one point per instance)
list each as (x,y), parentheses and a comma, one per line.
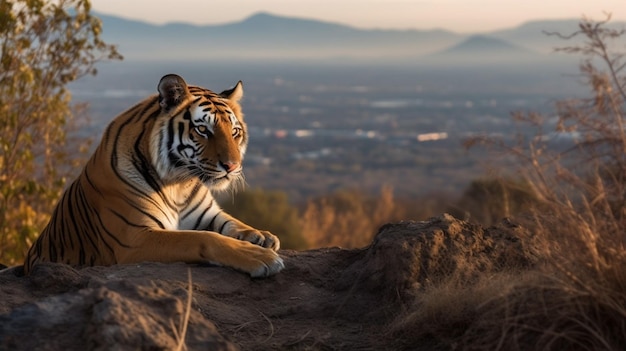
(463,16)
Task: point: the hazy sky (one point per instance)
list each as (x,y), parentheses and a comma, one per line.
(456,15)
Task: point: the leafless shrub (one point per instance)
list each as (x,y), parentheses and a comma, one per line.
(577,300)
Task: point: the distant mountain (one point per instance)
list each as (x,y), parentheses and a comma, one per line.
(534,34)
(271,24)
(480,49)
(478,44)
(264,36)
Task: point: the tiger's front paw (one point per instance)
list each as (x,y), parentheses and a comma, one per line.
(260,237)
(269,267)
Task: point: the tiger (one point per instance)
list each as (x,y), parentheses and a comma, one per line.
(147,191)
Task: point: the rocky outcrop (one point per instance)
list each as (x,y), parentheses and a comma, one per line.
(324,299)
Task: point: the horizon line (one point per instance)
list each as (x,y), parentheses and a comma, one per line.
(257,13)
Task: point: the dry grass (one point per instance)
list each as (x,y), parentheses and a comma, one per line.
(576,298)
(346,219)
(180,333)
(551,313)
(351,219)
(442,314)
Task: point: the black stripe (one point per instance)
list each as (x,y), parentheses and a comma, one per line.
(152,217)
(114,155)
(52,253)
(189,199)
(125,220)
(173,159)
(136,111)
(53,223)
(201,217)
(143,166)
(78,229)
(210,226)
(136,193)
(195,193)
(131,201)
(170,134)
(220,103)
(85,217)
(93,230)
(91,184)
(38,246)
(111,234)
(223,226)
(60,216)
(154,102)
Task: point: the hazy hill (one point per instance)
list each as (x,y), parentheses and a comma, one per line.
(479,43)
(533,35)
(483,50)
(264,36)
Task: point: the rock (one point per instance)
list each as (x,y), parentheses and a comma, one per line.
(324,299)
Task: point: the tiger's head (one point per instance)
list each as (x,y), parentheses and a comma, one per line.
(200,134)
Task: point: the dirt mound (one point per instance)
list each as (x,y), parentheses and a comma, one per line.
(324,299)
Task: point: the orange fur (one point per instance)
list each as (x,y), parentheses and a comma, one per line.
(145,193)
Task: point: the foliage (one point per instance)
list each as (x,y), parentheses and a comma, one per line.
(488,201)
(44,45)
(347,218)
(268,210)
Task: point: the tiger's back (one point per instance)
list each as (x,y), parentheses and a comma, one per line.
(145,193)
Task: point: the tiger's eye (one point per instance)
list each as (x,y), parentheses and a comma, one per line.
(202,129)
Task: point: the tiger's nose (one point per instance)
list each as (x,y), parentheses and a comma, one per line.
(229,166)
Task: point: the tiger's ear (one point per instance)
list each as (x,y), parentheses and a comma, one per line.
(235,94)
(172,91)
